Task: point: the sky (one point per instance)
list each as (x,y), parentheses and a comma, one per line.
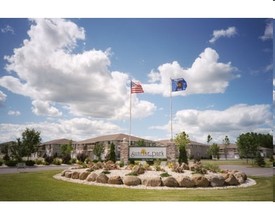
(70,78)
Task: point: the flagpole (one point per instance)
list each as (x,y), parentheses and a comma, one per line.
(171,123)
(130,129)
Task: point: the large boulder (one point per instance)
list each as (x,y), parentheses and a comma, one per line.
(92,177)
(84,175)
(68,174)
(102,178)
(138,169)
(240,176)
(216,180)
(200,180)
(153,181)
(170,182)
(115,180)
(184,166)
(186,181)
(231,180)
(131,181)
(75,175)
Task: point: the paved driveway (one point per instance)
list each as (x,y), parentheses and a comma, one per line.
(250,171)
(4,170)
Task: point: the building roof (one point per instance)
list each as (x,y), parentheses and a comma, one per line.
(58,141)
(111,137)
(165,142)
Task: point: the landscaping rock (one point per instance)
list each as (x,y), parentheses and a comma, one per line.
(138,169)
(84,175)
(115,180)
(216,180)
(200,180)
(102,178)
(184,166)
(186,181)
(231,180)
(92,177)
(240,176)
(68,174)
(153,181)
(170,182)
(75,175)
(131,181)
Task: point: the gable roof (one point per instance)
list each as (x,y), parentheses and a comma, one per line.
(58,141)
(111,137)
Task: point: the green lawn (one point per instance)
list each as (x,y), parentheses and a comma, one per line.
(236,162)
(41,186)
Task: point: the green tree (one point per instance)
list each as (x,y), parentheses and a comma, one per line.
(98,150)
(259,160)
(66,150)
(214,150)
(30,141)
(112,153)
(141,143)
(181,141)
(226,143)
(18,151)
(209,138)
(248,145)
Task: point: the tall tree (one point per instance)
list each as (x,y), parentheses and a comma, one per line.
(112,153)
(30,140)
(209,138)
(181,141)
(214,150)
(98,150)
(226,143)
(248,145)
(66,150)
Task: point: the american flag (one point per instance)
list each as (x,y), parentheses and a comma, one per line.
(136,87)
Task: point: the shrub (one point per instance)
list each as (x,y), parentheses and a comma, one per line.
(39,161)
(165,174)
(121,164)
(6,157)
(132,174)
(259,160)
(66,159)
(57,161)
(106,172)
(82,157)
(11,163)
(212,167)
(48,160)
(1,163)
(30,163)
(73,160)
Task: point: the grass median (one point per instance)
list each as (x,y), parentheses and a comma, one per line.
(41,186)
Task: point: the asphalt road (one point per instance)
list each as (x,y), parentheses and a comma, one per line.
(4,170)
(250,171)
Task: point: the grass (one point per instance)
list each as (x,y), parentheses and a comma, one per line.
(41,186)
(236,162)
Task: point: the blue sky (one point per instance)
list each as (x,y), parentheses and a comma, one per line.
(70,77)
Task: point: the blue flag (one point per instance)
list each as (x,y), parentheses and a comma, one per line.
(178,84)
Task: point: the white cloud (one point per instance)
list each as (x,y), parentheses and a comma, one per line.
(3,97)
(218,123)
(48,70)
(268,33)
(206,75)
(229,32)
(76,129)
(44,108)
(7,29)
(14,113)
